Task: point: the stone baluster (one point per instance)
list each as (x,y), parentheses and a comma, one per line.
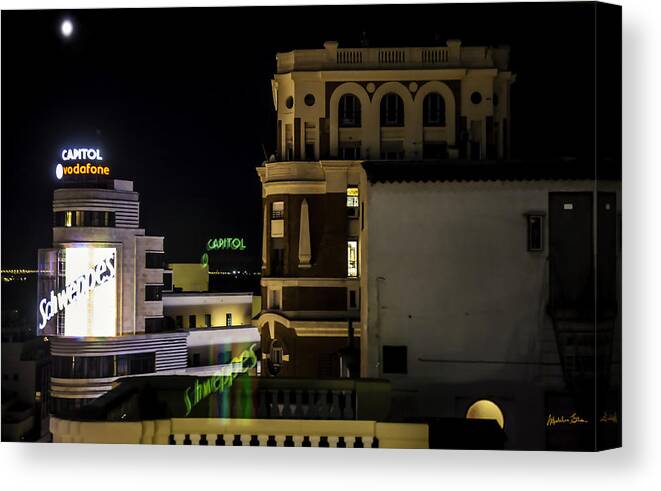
(322,405)
(332,441)
(262,411)
(367,441)
(314,441)
(286,408)
(298,408)
(334,412)
(274,411)
(347,413)
(280,440)
(194,438)
(312,412)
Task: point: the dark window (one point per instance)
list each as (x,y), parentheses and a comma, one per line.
(495,99)
(154,324)
(392,110)
(196,359)
(179,322)
(394,359)
(289,102)
(352,299)
(83,366)
(309,100)
(192,321)
(349,111)
(434,150)
(167,281)
(135,363)
(276,352)
(84,219)
(535,232)
(476,97)
(153,293)
(224,357)
(228,319)
(350,151)
(155,260)
(309,151)
(433,110)
(207,320)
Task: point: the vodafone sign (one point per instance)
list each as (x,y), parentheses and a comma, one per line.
(81,161)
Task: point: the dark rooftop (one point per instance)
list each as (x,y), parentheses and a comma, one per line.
(489,170)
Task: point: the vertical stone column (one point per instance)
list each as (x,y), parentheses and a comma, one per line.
(304,252)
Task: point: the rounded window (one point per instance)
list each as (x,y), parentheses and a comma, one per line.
(476,97)
(485,409)
(289,102)
(309,100)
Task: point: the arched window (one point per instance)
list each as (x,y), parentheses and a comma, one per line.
(392,110)
(349,111)
(433,110)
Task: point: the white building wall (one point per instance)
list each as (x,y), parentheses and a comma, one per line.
(466,289)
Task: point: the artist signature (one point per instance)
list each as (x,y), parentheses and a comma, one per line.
(608,418)
(573,419)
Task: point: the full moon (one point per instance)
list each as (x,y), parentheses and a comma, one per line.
(66,28)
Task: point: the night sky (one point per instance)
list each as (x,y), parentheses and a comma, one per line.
(179,100)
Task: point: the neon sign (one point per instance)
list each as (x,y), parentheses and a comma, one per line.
(80,287)
(69,154)
(225,244)
(218,383)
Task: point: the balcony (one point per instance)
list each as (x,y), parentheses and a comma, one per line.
(333,58)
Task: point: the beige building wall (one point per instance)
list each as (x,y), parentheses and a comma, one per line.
(217,305)
(190,277)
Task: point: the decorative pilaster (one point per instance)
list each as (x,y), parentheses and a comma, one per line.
(304,252)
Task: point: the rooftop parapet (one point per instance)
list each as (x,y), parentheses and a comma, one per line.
(331,57)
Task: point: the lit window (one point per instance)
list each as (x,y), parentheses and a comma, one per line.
(228,319)
(278,210)
(352,258)
(485,409)
(352,197)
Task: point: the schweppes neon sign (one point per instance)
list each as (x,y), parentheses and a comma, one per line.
(70,155)
(219,383)
(77,289)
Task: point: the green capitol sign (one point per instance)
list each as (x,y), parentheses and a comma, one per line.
(229,243)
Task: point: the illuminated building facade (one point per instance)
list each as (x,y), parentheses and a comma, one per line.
(337,107)
(100,290)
